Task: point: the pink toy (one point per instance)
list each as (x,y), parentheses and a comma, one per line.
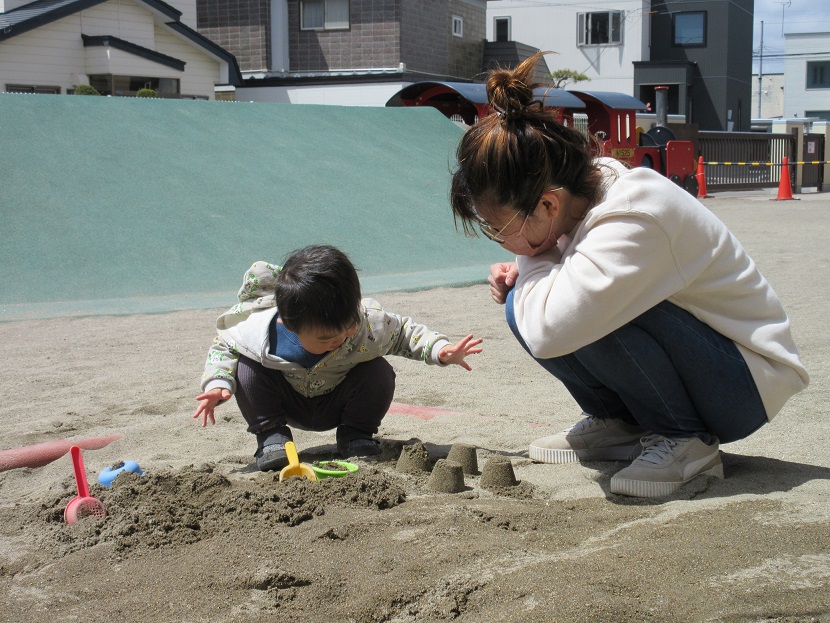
(83,505)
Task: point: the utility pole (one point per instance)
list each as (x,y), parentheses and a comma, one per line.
(761,71)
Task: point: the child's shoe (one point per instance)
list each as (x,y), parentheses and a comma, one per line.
(270,454)
(353,441)
(358,447)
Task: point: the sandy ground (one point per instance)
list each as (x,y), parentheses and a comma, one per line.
(205,537)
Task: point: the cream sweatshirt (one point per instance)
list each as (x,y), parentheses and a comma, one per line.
(648,241)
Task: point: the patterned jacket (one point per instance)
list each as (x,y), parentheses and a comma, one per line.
(243,330)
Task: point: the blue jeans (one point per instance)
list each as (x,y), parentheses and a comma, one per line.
(666,371)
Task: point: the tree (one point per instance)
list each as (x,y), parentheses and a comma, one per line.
(85,89)
(564,77)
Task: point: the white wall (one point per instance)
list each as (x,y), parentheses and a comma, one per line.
(120,18)
(8,5)
(48,56)
(772,96)
(346,95)
(799,49)
(188,9)
(552,26)
(201,70)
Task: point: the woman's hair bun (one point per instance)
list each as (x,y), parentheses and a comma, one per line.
(510,92)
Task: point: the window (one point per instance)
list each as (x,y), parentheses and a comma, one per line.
(689,29)
(457,26)
(501,27)
(599,28)
(324,15)
(108,84)
(27,88)
(818,75)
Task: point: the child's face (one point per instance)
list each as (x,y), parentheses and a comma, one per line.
(319,341)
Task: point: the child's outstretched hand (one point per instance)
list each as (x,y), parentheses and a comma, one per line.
(455,353)
(208,402)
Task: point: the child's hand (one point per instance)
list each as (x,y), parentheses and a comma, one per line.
(455,353)
(208,402)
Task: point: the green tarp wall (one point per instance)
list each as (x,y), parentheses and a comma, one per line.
(121,205)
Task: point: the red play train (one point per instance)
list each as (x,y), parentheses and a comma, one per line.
(611,118)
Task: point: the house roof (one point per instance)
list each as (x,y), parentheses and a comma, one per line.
(42,12)
(617,101)
(476,93)
(132,48)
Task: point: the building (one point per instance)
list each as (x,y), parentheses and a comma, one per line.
(807,75)
(768,96)
(353,52)
(602,43)
(116,46)
(700,49)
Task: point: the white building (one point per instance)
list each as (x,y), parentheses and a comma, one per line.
(807,75)
(600,40)
(769,91)
(117,46)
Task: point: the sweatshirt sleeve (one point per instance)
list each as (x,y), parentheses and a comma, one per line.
(407,338)
(220,367)
(256,293)
(621,268)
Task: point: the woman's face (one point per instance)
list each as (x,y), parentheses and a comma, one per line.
(525,235)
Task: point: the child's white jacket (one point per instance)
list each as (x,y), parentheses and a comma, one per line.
(649,241)
(243,329)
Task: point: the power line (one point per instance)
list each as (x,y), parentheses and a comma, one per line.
(790,55)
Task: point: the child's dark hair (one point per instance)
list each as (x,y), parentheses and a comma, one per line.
(511,157)
(318,287)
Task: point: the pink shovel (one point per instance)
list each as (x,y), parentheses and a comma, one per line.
(83,505)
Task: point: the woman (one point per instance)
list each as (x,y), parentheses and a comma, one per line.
(626,289)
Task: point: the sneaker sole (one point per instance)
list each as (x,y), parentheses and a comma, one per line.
(558,455)
(653,489)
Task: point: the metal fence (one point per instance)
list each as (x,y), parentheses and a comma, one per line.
(738,160)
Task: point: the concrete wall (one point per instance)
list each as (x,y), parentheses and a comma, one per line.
(368,94)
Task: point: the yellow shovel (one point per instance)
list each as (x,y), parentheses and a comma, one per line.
(295,469)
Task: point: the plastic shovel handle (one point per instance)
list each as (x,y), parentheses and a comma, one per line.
(291,452)
(80,474)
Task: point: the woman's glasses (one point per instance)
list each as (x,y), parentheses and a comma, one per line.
(496,234)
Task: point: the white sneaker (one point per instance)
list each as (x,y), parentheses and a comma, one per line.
(665,464)
(590,439)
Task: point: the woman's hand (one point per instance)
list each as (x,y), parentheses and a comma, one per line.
(208,402)
(455,353)
(502,279)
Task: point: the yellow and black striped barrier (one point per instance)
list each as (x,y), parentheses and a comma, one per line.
(763,164)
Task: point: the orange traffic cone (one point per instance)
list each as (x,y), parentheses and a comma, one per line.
(785,189)
(701,180)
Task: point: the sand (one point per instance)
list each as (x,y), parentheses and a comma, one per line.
(204,537)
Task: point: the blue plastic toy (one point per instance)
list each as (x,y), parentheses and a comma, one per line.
(106,477)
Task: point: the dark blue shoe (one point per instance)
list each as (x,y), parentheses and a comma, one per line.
(270,454)
(358,447)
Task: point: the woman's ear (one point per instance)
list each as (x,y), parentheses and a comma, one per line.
(551,202)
